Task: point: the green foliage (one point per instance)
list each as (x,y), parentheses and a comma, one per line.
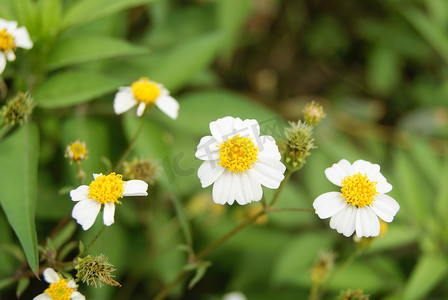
(18,187)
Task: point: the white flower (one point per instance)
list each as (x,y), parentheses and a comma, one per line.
(12,37)
(145,92)
(238,160)
(363,199)
(234,296)
(105,189)
(59,288)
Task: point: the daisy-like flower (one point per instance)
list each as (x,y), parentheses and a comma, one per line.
(76,150)
(363,199)
(145,92)
(60,288)
(12,37)
(238,161)
(104,190)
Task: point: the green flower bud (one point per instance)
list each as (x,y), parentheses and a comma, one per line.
(17,109)
(299,142)
(95,271)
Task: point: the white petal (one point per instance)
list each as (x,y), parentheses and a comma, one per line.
(248,128)
(208,148)
(77,296)
(243,189)
(385,207)
(85,212)
(108,213)
(345,220)
(208,172)
(367,223)
(141,109)
(80,193)
(257,191)
(2,62)
(51,276)
(338,171)
(43,296)
(223,128)
(22,38)
(135,188)
(329,204)
(373,173)
(269,172)
(9,25)
(71,284)
(124,100)
(168,105)
(222,189)
(10,56)
(268,147)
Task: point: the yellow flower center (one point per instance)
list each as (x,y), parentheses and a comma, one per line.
(77,150)
(59,290)
(238,154)
(6,41)
(145,90)
(107,188)
(358,190)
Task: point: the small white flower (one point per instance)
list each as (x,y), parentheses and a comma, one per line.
(105,189)
(12,37)
(363,199)
(238,161)
(59,288)
(145,92)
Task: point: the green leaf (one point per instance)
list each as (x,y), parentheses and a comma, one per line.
(200,272)
(5,12)
(79,49)
(24,282)
(180,64)
(427,273)
(384,69)
(84,11)
(428,29)
(294,261)
(49,17)
(19,156)
(25,13)
(73,87)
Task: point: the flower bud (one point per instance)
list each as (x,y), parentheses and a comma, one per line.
(313,113)
(140,169)
(299,142)
(322,266)
(18,109)
(95,271)
(76,151)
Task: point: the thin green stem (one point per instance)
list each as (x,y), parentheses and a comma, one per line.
(93,241)
(280,188)
(333,274)
(131,144)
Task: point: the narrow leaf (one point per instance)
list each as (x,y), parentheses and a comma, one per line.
(18,183)
(89,10)
(428,272)
(79,49)
(49,17)
(73,87)
(429,30)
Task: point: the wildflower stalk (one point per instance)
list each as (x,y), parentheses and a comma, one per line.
(131,144)
(333,274)
(248,221)
(93,241)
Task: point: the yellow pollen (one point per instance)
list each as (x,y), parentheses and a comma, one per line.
(358,190)
(77,150)
(145,90)
(107,188)
(59,290)
(238,154)
(6,41)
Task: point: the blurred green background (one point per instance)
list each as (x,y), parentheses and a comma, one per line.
(379,68)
